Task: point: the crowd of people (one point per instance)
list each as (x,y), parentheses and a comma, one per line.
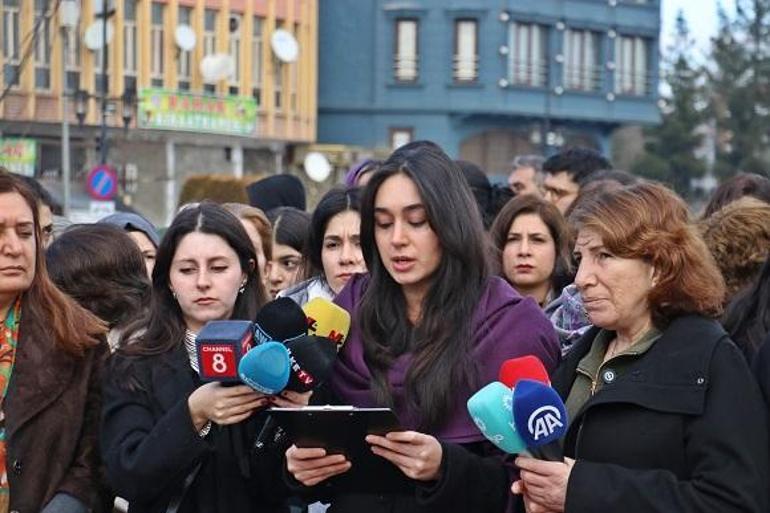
(652,321)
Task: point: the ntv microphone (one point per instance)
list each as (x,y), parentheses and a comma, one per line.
(540,418)
(325,319)
(220,346)
(311,360)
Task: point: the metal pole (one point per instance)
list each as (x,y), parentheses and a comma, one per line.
(103,137)
(65,126)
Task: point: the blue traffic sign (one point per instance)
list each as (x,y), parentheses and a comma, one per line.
(102,182)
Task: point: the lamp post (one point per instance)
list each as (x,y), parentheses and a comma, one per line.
(69,15)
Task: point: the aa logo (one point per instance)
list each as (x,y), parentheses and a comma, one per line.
(544,422)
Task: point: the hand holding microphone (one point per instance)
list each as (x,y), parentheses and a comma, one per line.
(222,404)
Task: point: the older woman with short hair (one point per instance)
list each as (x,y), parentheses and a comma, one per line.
(664,413)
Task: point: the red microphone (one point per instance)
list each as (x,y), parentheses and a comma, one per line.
(220,346)
(524,367)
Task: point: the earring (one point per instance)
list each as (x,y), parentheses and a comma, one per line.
(243,287)
(173,293)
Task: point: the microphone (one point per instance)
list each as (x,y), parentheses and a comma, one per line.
(220,345)
(279,320)
(266,368)
(490,409)
(524,367)
(325,319)
(312,360)
(540,418)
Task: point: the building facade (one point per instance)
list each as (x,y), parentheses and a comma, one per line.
(486,79)
(168,118)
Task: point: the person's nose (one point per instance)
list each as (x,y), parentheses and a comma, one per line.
(585,276)
(203,281)
(398,237)
(524,247)
(347,254)
(10,244)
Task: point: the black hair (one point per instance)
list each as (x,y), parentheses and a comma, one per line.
(441,341)
(336,201)
(736,187)
(101,267)
(290,226)
(42,194)
(579,163)
(747,317)
(162,329)
(489,198)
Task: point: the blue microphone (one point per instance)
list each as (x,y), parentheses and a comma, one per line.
(491,410)
(540,419)
(266,368)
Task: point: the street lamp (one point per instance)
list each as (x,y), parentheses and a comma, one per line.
(129,104)
(81,105)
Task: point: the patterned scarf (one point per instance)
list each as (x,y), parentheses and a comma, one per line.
(9,338)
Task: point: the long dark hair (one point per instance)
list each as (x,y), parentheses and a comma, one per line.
(47,311)
(101,267)
(441,342)
(336,201)
(162,329)
(747,318)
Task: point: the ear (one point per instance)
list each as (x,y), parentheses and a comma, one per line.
(654,276)
(252,265)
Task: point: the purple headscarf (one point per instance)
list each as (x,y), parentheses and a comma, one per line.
(355,172)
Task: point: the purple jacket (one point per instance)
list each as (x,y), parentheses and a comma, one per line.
(505,325)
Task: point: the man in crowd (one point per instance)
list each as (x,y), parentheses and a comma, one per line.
(567,171)
(527,175)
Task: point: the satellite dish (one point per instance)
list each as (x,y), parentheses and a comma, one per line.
(217,67)
(284,46)
(317,167)
(93,36)
(184,36)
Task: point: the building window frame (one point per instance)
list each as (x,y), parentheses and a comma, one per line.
(399,136)
(528,51)
(465,58)
(157,49)
(130,45)
(43,44)
(632,76)
(257,66)
(184,57)
(406,49)
(582,60)
(11,42)
(235,51)
(72,62)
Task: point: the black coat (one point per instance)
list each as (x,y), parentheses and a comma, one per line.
(150,446)
(761,366)
(474,480)
(682,430)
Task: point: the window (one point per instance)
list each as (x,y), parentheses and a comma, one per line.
(527,54)
(72,59)
(631,66)
(184,57)
(279,68)
(11,49)
(256,60)
(294,77)
(156,45)
(466,58)
(235,53)
(582,68)
(130,64)
(406,51)
(43,45)
(209,40)
(400,137)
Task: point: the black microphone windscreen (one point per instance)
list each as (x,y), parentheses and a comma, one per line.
(281,319)
(312,361)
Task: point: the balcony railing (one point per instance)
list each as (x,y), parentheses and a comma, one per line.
(528,73)
(405,68)
(465,68)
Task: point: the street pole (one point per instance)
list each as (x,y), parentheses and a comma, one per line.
(70,12)
(65,126)
(103,139)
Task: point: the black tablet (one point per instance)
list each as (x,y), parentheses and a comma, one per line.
(343,430)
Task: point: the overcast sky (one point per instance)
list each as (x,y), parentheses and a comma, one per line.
(701,16)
